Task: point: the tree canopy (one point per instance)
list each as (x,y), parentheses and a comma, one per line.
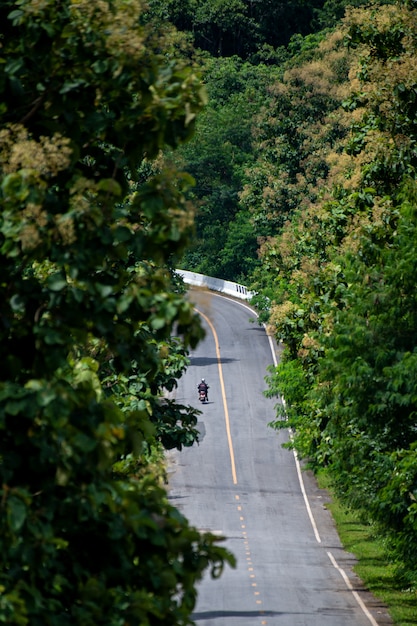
(297,130)
(90,91)
(341,273)
(247,28)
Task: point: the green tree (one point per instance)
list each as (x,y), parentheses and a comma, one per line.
(251,29)
(296,130)
(218,27)
(87,311)
(218,157)
(344,272)
(368,373)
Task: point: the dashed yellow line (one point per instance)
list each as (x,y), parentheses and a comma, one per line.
(250,568)
(249,565)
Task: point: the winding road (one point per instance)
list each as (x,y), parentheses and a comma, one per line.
(240,483)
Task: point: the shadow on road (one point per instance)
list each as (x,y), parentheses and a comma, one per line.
(225,614)
(199,361)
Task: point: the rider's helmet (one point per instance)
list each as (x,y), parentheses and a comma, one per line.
(202,380)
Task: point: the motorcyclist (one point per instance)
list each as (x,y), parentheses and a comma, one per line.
(203,386)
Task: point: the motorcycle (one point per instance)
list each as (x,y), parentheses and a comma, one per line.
(202,395)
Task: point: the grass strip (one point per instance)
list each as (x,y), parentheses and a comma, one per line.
(374,567)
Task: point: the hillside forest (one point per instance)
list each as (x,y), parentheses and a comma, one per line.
(305,167)
(269,144)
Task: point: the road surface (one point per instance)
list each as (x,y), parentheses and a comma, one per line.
(240,483)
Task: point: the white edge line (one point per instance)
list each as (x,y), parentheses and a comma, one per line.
(305,497)
(349,586)
(303,491)
(297,462)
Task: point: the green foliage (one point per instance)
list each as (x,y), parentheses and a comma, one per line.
(225,243)
(298,131)
(342,276)
(88,312)
(259,152)
(371,359)
(250,30)
(333,11)
(290,381)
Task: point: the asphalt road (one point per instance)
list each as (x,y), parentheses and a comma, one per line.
(240,483)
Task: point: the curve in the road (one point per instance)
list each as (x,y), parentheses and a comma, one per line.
(223,392)
(332,559)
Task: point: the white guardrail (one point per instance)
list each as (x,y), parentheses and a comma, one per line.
(215,284)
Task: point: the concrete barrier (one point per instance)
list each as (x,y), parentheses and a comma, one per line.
(215,284)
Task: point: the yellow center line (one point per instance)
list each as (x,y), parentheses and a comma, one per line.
(226,411)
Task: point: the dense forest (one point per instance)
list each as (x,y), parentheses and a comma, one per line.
(305,167)
(270,144)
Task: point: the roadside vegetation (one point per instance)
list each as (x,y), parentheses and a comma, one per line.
(306,192)
(375,565)
(93,329)
(343,293)
(277,148)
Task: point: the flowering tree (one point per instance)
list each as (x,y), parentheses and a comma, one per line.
(89,90)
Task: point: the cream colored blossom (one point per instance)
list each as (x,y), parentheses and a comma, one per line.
(280,313)
(34,213)
(65,228)
(81,193)
(18,150)
(119,24)
(309,346)
(29,237)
